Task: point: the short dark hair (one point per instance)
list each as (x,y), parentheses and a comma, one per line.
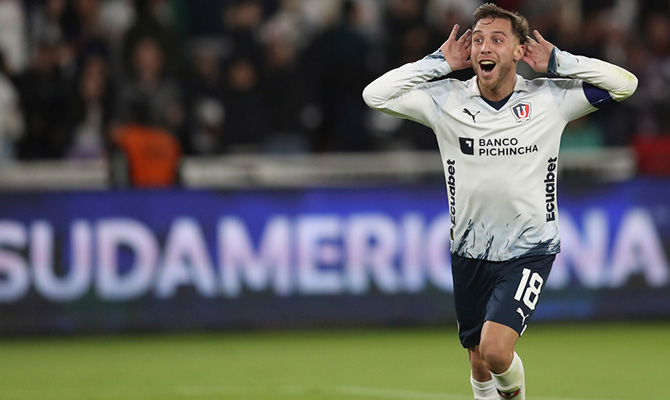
(519,22)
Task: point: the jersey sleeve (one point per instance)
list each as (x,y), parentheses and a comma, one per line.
(618,82)
(405,92)
(571,98)
(595,83)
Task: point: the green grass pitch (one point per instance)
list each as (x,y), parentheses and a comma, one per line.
(563,362)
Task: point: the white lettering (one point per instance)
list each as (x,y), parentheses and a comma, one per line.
(76,282)
(413,274)
(371,243)
(186,261)
(309,255)
(240,264)
(585,253)
(122,281)
(317,240)
(638,250)
(15,281)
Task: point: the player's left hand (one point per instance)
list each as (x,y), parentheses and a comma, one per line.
(537,52)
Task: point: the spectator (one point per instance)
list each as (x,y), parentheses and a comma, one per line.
(146,156)
(401,17)
(205,110)
(91,110)
(205,18)
(116,18)
(287,74)
(46,21)
(152,21)
(339,66)
(242,23)
(83,33)
(245,122)
(45,95)
(286,96)
(150,82)
(656,75)
(11,123)
(13,41)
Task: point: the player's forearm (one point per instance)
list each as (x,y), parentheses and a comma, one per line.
(398,85)
(620,83)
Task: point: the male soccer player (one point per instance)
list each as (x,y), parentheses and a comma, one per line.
(499,137)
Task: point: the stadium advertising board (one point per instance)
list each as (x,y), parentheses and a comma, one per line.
(137,260)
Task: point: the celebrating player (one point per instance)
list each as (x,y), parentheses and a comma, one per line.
(499,137)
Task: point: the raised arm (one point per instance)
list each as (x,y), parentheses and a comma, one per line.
(397,91)
(543,57)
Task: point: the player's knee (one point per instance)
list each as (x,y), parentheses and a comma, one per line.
(497,358)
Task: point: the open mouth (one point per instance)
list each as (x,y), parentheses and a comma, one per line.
(487,66)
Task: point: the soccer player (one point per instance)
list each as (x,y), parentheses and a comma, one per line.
(499,137)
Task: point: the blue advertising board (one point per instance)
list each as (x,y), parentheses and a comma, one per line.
(109,261)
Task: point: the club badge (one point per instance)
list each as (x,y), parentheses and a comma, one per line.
(521,112)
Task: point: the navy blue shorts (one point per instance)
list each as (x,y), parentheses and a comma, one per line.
(505,292)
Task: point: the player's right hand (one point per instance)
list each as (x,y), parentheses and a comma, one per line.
(538,52)
(457,52)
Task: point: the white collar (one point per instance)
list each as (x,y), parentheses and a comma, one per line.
(519,86)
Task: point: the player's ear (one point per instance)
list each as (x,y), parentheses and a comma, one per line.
(519,51)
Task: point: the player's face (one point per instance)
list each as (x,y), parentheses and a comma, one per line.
(494,52)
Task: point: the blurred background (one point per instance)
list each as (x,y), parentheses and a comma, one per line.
(230,77)
(210,164)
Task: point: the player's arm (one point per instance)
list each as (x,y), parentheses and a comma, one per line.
(396,92)
(604,81)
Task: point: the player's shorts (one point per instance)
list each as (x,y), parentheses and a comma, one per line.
(505,292)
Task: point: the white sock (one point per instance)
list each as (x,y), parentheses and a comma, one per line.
(484,390)
(511,383)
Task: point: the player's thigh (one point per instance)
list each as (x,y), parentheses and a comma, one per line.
(473,285)
(517,292)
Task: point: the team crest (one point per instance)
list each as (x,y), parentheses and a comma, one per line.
(521,112)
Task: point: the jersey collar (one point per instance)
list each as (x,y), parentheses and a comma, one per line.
(473,88)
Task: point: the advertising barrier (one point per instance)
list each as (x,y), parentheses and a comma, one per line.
(113,261)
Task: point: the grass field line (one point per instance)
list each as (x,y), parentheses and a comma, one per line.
(349,391)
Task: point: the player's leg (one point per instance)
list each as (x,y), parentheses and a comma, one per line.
(512,304)
(497,353)
(480,377)
(472,289)
(480,371)
(496,348)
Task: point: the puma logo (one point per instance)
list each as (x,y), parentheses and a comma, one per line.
(520,311)
(465,110)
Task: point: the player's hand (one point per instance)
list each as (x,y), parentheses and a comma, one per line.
(457,52)
(537,52)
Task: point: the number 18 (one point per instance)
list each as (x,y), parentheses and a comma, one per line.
(532,288)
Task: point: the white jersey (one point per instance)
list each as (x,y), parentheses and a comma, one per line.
(500,164)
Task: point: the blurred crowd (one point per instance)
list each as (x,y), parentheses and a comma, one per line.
(278,76)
